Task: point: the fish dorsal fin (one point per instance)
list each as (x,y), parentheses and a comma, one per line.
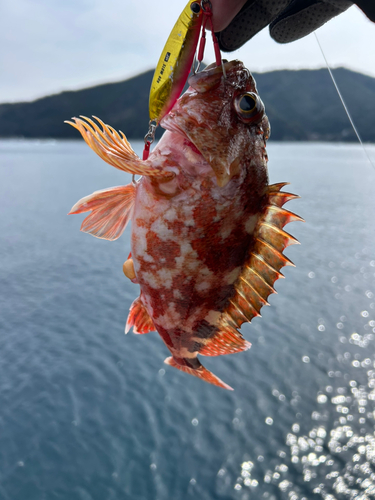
(113,147)
(266,258)
(139,318)
(227,340)
(255,283)
(111,210)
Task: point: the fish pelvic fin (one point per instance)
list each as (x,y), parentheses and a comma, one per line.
(266,258)
(113,147)
(200,371)
(111,209)
(139,318)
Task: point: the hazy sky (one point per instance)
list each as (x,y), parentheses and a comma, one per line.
(53,45)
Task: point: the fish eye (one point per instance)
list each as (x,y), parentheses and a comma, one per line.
(247,103)
(249,107)
(195,7)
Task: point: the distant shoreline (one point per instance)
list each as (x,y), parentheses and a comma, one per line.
(302,105)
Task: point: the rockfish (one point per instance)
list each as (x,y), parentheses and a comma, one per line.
(207,237)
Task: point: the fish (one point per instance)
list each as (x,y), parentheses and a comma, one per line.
(207,237)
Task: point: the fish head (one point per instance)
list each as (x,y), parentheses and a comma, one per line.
(223,117)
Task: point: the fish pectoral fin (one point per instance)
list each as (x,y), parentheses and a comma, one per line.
(113,147)
(200,371)
(227,340)
(111,210)
(139,318)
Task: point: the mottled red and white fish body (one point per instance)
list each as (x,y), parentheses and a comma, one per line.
(207,235)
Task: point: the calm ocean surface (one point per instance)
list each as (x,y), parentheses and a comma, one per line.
(87,413)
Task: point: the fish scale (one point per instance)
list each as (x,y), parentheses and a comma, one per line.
(207,229)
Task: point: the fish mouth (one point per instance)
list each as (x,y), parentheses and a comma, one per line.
(192,146)
(171,126)
(202,133)
(222,171)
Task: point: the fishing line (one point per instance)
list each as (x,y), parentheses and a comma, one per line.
(343,102)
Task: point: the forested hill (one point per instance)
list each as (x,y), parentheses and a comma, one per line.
(301,105)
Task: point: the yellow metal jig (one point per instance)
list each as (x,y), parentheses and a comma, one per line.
(175,61)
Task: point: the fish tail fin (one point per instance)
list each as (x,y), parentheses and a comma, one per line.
(200,372)
(111,210)
(113,147)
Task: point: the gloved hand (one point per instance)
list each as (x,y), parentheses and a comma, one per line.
(288,20)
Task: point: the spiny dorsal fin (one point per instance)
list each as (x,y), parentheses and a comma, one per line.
(273,234)
(139,318)
(278,198)
(113,147)
(265,260)
(111,210)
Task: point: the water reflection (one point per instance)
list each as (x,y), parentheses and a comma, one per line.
(330,462)
(328,453)
(87,413)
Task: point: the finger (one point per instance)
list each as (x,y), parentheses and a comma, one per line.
(223,11)
(253,17)
(302,17)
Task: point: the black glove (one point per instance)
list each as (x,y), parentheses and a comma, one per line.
(289,20)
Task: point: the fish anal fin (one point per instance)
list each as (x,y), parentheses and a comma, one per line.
(265,259)
(139,318)
(227,340)
(113,147)
(200,372)
(111,210)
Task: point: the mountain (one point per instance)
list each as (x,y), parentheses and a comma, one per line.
(301,105)
(304,104)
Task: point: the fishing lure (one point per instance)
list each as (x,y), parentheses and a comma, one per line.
(176,61)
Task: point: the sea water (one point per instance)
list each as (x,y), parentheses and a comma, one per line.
(87,413)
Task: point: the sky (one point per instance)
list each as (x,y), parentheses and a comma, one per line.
(48,46)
